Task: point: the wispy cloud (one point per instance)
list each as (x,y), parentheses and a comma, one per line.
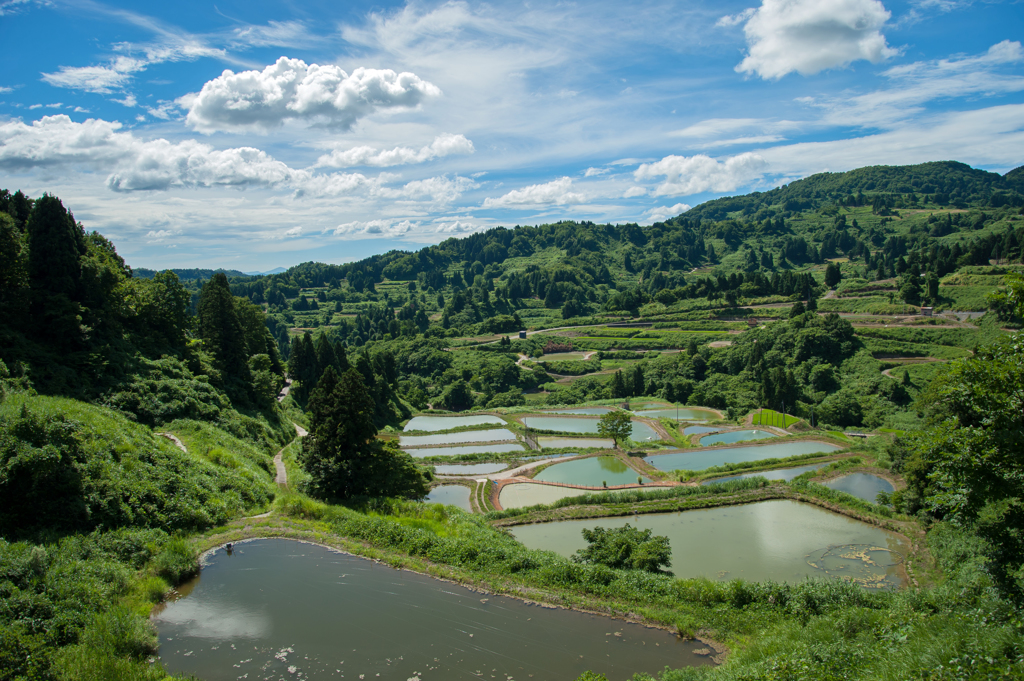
(443,145)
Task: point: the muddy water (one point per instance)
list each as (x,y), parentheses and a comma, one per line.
(470,469)
(780,540)
(641,431)
(680,414)
(465,449)
(734,436)
(279,609)
(775,474)
(494,435)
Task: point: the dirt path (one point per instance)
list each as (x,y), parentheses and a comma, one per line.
(174,438)
(282,472)
(284,391)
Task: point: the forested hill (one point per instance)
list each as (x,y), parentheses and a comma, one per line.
(190,274)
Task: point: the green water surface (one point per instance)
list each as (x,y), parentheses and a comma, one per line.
(592,471)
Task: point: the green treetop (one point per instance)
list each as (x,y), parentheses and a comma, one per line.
(616,425)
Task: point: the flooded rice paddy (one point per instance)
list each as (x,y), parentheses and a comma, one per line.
(680,414)
(469,469)
(431,423)
(780,540)
(455,495)
(641,431)
(699,460)
(593,472)
(493,435)
(861,485)
(776,474)
(697,430)
(587,411)
(734,436)
(520,494)
(465,449)
(280,609)
(581,442)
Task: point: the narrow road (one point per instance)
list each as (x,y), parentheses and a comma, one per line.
(282,472)
(175,440)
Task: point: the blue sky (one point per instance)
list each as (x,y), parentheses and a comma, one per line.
(252,135)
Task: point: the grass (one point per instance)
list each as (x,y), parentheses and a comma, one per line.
(768,417)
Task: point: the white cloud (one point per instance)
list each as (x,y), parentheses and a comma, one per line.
(163,110)
(55,106)
(275,34)
(97,79)
(293,232)
(441,190)
(591,172)
(376,227)
(292,90)
(809,36)
(5,90)
(751,139)
(662,213)
(157,236)
(35,106)
(633,192)
(918,83)
(128,100)
(685,176)
(557,192)
(443,145)
(79,109)
(736,19)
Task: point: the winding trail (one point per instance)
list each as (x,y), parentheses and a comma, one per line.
(175,440)
(282,472)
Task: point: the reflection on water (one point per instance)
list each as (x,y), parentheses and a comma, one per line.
(679,414)
(861,485)
(697,430)
(469,469)
(777,474)
(581,442)
(449,422)
(327,615)
(759,541)
(588,411)
(493,435)
(456,495)
(524,494)
(592,472)
(699,460)
(465,449)
(640,431)
(734,436)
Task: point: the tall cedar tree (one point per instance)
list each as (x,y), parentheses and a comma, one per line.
(56,244)
(341,454)
(223,336)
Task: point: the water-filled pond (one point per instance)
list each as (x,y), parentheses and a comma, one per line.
(592,472)
(734,436)
(493,435)
(861,485)
(470,469)
(449,422)
(465,449)
(456,495)
(641,431)
(587,411)
(780,540)
(279,609)
(681,414)
(776,474)
(522,494)
(697,430)
(581,442)
(699,460)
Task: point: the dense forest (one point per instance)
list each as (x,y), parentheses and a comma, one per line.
(140,409)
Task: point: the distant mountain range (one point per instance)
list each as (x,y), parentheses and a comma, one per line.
(193,273)
(276,270)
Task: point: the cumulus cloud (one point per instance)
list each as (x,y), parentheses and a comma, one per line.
(687,175)
(376,228)
(633,192)
(156,236)
(157,165)
(557,192)
(591,172)
(809,36)
(443,145)
(292,90)
(662,213)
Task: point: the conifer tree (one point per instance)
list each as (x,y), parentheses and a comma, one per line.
(223,336)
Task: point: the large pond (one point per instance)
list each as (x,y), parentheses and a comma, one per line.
(493,435)
(861,485)
(470,469)
(448,422)
(279,609)
(680,414)
(465,449)
(592,472)
(456,495)
(640,432)
(522,494)
(581,442)
(780,540)
(776,474)
(699,460)
(734,436)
